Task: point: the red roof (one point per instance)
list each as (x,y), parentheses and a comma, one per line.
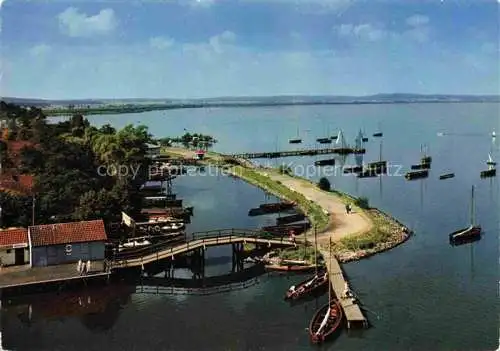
(18,183)
(13,236)
(67,233)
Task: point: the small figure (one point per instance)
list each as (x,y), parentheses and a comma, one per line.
(347,208)
(88,266)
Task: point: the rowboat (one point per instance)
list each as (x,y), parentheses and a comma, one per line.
(447,176)
(307,287)
(325,322)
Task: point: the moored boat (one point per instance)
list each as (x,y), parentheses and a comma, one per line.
(324,140)
(325,322)
(490,161)
(328,162)
(308,286)
(473,231)
(353,169)
(447,176)
(417,175)
(492,172)
(295,141)
(327,319)
(421,166)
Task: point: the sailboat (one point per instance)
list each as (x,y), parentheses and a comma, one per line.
(326,140)
(379,133)
(327,319)
(425,158)
(380,167)
(310,286)
(296,140)
(473,231)
(490,161)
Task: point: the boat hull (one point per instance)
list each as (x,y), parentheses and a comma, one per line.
(332,325)
(302,290)
(489,173)
(417,175)
(472,232)
(447,176)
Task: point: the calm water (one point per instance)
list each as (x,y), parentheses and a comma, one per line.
(423,295)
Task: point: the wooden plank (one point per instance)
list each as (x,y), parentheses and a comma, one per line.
(352,311)
(193,245)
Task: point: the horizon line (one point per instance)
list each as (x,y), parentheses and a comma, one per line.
(250,96)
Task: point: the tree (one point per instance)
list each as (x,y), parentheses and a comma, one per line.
(324,184)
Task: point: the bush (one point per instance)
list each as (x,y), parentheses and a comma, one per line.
(362,202)
(324,184)
(284,169)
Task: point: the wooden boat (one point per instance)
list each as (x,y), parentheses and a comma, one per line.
(472,231)
(421,166)
(426,159)
(277,206)
(447,176)
(327,319)
(334,137)
(296,140)
(308,286)
(365,139)
(353,169)
(324,140)
(490,161)
(492,172)
(298,228)
(325,322)
(378,135)
(328,162)
(417,175)
(312,284)
(290,219)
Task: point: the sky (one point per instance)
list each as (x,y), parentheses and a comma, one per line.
(209,48)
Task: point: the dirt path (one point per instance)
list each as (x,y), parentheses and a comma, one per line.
(341,224)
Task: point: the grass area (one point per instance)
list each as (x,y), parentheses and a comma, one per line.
(381,232)
(300,253)
(311,210)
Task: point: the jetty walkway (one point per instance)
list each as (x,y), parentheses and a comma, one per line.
(302,152)
(199,240)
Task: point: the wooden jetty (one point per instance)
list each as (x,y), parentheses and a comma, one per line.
(306,152)
(202,240)
(352,311)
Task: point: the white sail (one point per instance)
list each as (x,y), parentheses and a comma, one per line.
(489,158)
(339,135)
(325,320)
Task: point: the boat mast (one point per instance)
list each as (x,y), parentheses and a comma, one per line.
(472,207)
(380,151)
(315,250)
(329,282)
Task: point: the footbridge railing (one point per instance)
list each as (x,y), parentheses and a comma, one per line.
(198,240)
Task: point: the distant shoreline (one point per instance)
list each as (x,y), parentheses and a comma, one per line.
(148,108)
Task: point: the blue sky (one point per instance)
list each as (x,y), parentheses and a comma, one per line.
(208,48)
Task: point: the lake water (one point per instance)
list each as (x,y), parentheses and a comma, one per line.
(423,295)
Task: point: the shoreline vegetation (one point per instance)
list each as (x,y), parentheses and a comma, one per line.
(383,232)
(107,110)
(138,105)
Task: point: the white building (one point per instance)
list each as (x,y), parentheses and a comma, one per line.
(14,247)
(153,150)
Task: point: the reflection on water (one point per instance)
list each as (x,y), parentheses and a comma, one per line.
(25,319)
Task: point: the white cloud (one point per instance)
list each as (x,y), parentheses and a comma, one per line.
(78,24)
(312,6)
(366,31)
(417,20)
(161,42)
(418,34)
(40,50)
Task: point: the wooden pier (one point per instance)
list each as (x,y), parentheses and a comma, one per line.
(352,311)
(24,277)
(200,241)
(305,152)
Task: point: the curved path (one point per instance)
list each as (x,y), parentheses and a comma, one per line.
(340,225)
